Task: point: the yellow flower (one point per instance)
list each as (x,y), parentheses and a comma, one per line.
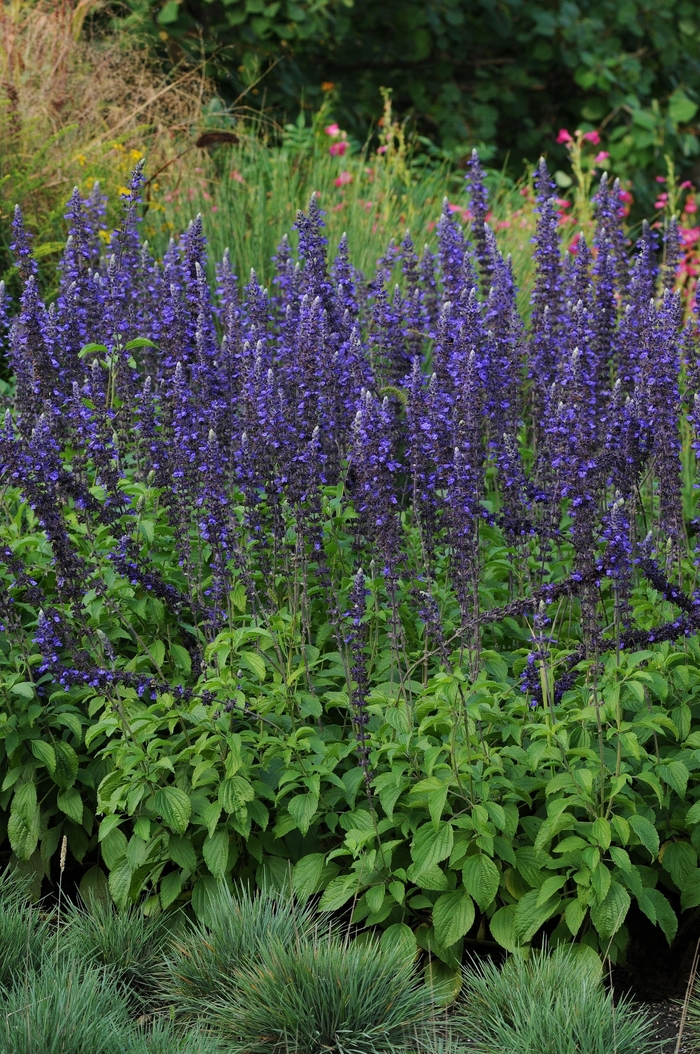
(105,236)
(123,190)
(80,158)
(135,155)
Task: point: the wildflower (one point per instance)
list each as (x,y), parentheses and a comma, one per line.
(564,136)
(338,149)
(237,176)
(333,130)
(660,179)
(691,205)
(624,195)
(327,85)
(685,185)
(592,137)
(601,156)
(343,179)
(382,149)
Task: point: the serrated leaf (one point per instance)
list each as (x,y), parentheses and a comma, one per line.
(502,925)
(255,663)
(430,846)
(25,689)
(609,915)
(601,833)
(481,878)
(45,753)
(646,833)
(156,650)
(693,814)
(66,764)
(676,775)
(181,852)
(307,875)
(109,824)
(302,808)
(119,882)
(679,859)
(235,792)
(215,853)
(170,888)
(574,915)
(399,935)
(531,916)
(658,910)
(181,658)
(453,917)
(175,808)
(70,802)
(338,892)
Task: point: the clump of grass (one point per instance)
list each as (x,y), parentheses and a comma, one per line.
(64,1008)
(162,1037)
(205,955)
(129,942)
(23,931)
(548,1003)
(322,996)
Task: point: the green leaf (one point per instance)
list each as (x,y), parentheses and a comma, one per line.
(92,349)
(156,650)
(204,893)
(113,847)
(307,875)
(430,846)
(235,792)
(169,13)
(399,935)
(453,917)
(502,925)
(109,824)
(255,663)
(23,823)
(66,764)
(690,891)
(70,802)
(693,815)
(574,915)
(658,910)
(215,853)
(681,109)
(679,859)
(181,658)
(175,808)
(45,753)
(338,892)
(302,808)
(170,888)
(120,882)
(608,916)
(481,878)
(601,833)
(139,342)
(676,775)
(47,249)
(530,916)
(25,689)
(646,833)
(181,852)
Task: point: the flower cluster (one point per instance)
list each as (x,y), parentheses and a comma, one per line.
(269,436)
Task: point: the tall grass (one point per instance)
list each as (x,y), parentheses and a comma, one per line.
(77,106)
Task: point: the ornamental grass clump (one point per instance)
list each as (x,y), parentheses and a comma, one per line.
(23,930)
(322,994)
(371,587)
(552,1002)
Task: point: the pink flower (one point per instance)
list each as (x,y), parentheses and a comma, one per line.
(333,130)
(381,149)
(685,185)
(338,149)
(601,156)
(573,248)
(691,205)
(564,136)
(562,203)
(592,137)
(237,176)
(661,179)
(343,179)
(626,196)
(660,202)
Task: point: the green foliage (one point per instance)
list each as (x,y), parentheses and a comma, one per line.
(547,1003)
(22,930)
(321,994)
(162,1038)
(65,1008)
(501,77)
(202,960)
(130,943)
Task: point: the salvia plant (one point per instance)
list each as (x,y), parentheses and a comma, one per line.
(367,586)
